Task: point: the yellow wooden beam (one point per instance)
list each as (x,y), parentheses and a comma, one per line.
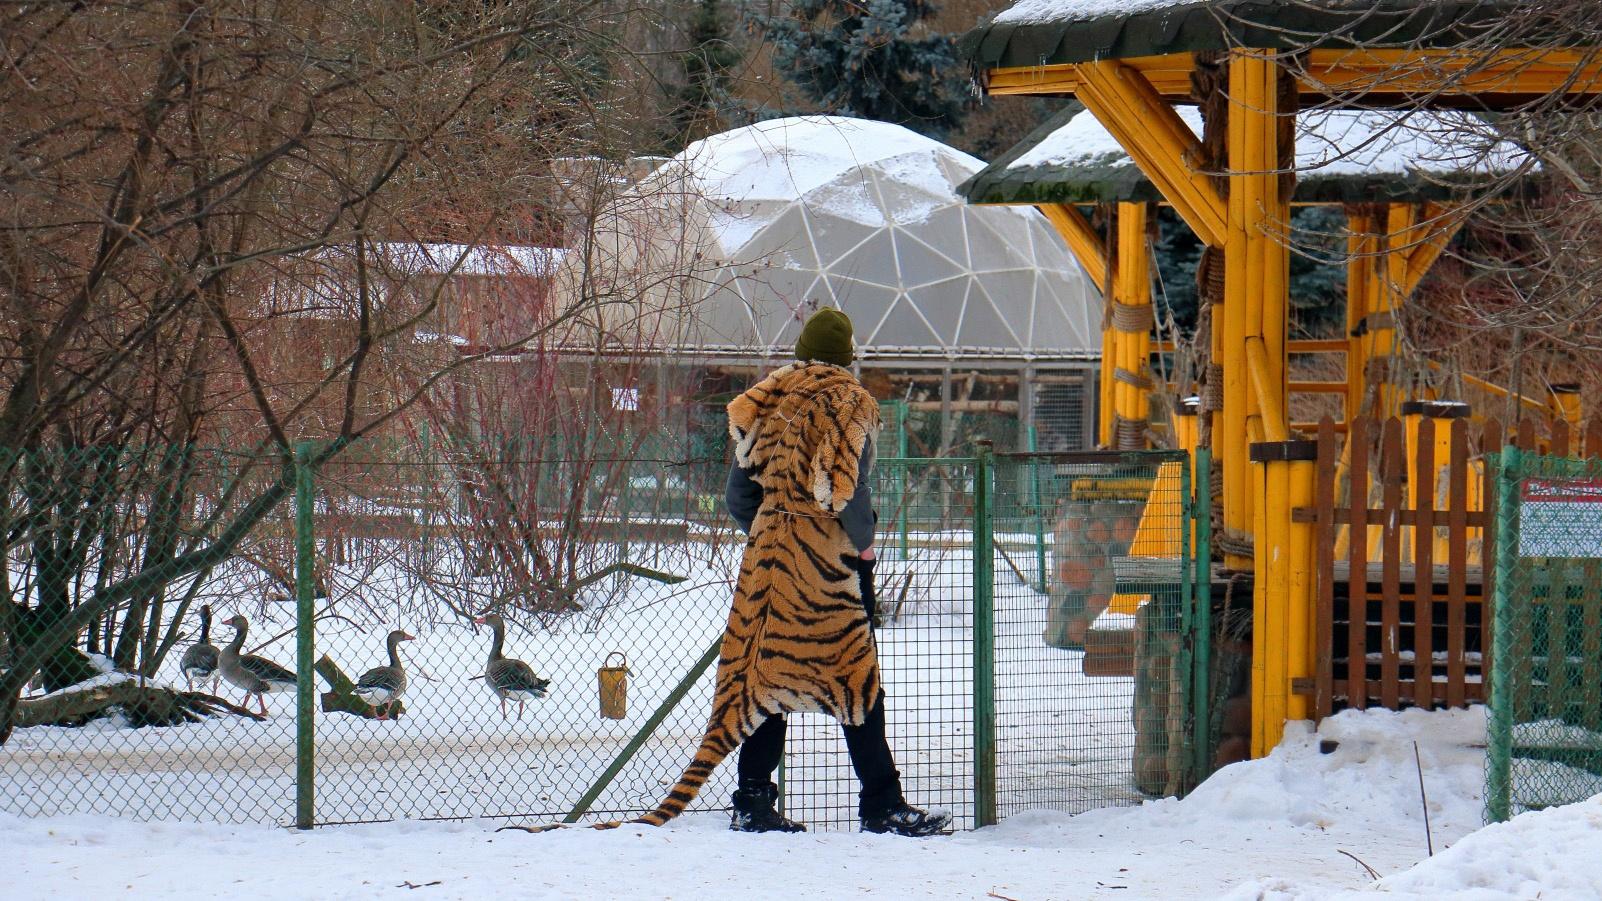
(1382,76)
(1169,75)
(1316,346)
(1402,234)
(1159,142)
(1317,387)
(1428,240)
(1528,403)
(1268,643)
(1256,276)
(1081,238)
(1453,73)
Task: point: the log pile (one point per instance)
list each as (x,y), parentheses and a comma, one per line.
(143,703)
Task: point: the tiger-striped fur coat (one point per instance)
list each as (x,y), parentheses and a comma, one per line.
(797,635)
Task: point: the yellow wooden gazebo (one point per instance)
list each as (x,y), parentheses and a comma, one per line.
(1250,66)
(1377,166)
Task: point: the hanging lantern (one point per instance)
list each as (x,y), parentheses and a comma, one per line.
(613,682)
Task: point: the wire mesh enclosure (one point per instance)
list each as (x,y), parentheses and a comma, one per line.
(1545,744)
(358,675)
(1039,638)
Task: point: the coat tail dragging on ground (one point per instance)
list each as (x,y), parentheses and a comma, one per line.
(718,744)
(723,735)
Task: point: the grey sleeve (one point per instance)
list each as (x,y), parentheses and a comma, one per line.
(743,495)
(857,517)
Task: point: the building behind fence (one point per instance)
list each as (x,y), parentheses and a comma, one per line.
(990,586)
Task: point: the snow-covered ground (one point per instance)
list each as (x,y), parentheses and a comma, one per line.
(1277,828)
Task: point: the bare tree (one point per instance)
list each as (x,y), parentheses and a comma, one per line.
(197,200)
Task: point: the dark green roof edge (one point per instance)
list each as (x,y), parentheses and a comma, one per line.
(1117,179)
(1125,184)
(982,183)
(1221,24)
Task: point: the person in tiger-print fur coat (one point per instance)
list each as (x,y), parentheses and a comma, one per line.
(799,634)
(799,486)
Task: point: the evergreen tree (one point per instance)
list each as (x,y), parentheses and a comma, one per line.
(703,103)
(872,59)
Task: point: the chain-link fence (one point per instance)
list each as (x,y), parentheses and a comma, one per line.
(1545,745)
(1096,637)
(613,579)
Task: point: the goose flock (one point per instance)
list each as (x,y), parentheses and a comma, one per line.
(380,687)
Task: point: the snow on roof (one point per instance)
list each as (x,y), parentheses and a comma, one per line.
(1328,143)
(783,159)
(1032,11)
(1054,32)
(772,220)
(1084,139)
(753,171)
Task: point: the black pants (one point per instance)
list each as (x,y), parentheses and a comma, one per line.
(867,745)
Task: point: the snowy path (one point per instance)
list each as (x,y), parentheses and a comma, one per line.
(1271,829)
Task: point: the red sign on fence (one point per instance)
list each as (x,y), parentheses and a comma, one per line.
(1571,491)
(1561,518)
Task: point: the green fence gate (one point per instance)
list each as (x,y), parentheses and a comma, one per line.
(1545,741)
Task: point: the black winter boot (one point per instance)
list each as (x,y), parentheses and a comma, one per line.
(902,818)
(753,810)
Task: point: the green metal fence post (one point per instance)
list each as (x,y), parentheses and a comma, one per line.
(1186,669)
(1201,661)
(1499,743)
(1035,499)
(901,454)
(984,643)
(304,690)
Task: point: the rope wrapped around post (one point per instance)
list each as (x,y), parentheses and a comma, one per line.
(1230,541)
(1133,317)
(1213,391)
(1130,434)
(1143,382)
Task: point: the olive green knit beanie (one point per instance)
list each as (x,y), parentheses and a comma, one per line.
(826,337)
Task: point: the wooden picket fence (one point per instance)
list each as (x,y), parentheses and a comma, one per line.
(1400,612)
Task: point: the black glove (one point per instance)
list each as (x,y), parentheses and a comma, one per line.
(870,600)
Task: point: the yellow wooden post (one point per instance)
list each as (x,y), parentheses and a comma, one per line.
(1401,220)
(1229,433)
(1109,363)
(1091,252)
(1361,249)
(1132,307)
(1412,414)
(1282,620)
(1566,403)
(1256,276)
(1187,431)
(1300,470)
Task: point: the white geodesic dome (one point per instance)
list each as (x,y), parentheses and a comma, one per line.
(727,247)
